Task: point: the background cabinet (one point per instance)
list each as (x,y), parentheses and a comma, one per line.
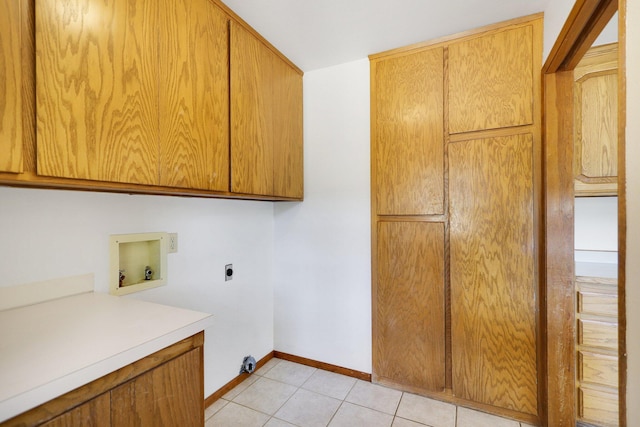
(409,304)
(266,120)
(596,122)
(409,147)
(11,155)
(493,310)
(456,169)
(97,90)
(165,388)
(194,95)
(490,81)
(137,98)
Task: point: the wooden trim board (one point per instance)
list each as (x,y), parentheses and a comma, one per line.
(585,21)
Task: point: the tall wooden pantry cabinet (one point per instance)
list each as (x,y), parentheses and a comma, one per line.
(455,149)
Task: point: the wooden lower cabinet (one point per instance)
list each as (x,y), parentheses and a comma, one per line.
(409,344)
(165,389)
(597,351)
(164,396)
(94,413)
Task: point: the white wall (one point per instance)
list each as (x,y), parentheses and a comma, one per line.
(633,211)
(555,16)
(48,234)
(322,273)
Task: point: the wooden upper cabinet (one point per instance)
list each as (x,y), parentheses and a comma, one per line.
(287,151)
(596,122)
(491,81)
(492,255)
(409,343)
(407,110)
(11,156)
(266,120)
(194,95)
(251,124)
(97,90)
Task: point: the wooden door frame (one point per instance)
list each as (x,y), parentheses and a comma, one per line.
(585,22)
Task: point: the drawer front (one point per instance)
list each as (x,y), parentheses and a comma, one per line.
(598,406)
(598,369)
(598,334)
(598,304)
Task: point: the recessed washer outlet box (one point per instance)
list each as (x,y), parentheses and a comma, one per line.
(138,262)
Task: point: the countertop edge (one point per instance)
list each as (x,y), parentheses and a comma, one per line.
(30,399)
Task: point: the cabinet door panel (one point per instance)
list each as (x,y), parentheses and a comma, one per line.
(491,81)
(287,153)
(194,95)
(596,107)
(251,122)
(94,413)
(169,395)
(409,142)
(96,90)
(493,298)
(11,156)
(409,344)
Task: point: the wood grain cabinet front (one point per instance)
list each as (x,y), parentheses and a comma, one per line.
(408,136)
(596,122)
(266,120)
(456,173)
(132,92)
(11,155)
(141,97)
(491,81)
(165,388)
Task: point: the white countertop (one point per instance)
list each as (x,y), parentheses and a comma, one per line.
(50,348)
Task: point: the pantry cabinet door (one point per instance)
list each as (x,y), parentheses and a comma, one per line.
(252,94)
(409,329)
(97,90)
(491,81)
(194,95)
(408,141)
(492,255)
(11,156)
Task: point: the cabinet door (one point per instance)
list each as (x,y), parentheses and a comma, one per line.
(596,122)
(10,87)
(97,90)
(409,337)
(252,68)
(287,128)
(491,81)
(94,413)
(492,250)
(194,95)
(409,144)
(171,395)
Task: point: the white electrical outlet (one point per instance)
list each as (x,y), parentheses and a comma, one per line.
(173,243)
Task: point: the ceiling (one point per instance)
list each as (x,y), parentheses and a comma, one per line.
(321,33)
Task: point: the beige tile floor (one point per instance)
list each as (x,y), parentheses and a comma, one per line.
(283,393)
